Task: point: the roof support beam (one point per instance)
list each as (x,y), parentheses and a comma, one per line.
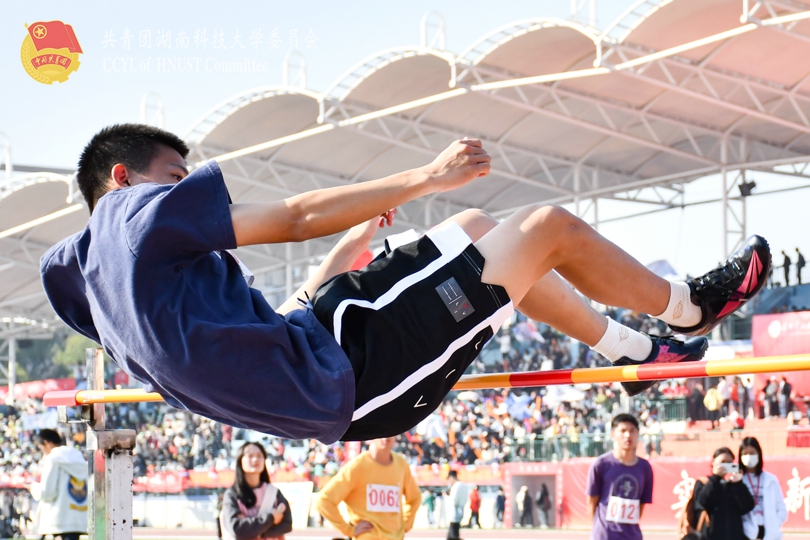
(754,113)
(601,129)
(432,152)
(512,148)
(624,108)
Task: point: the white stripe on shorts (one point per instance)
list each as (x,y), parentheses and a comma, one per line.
(494,321)
(451,240)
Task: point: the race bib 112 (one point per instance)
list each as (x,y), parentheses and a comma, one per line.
(381,498)
(623,510)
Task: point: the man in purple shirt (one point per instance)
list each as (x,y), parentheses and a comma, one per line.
(619,485)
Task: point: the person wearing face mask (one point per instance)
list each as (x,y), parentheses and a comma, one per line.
(765,520)
(724,498)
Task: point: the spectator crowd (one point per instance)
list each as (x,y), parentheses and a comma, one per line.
(487,427)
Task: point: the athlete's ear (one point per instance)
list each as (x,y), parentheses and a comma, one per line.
(119,176)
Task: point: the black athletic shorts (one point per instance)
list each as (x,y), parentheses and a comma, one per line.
(411,322)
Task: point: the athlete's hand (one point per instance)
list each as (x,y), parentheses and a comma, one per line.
(458,164)
(362,527)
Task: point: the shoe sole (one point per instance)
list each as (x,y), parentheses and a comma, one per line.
(637,387)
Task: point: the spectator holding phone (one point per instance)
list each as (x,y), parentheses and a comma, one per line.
(765,520)
(724,498)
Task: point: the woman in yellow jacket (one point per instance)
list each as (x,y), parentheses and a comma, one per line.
(381,494)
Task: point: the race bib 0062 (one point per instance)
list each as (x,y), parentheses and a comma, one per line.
(381,498)
(623,510)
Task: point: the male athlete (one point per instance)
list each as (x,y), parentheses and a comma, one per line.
(619,485)
(380,493)
(376,350)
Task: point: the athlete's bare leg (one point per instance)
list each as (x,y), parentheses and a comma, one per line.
(538,239)
(549,300)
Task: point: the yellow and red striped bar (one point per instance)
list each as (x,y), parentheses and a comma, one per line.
(74,398)
(649,372)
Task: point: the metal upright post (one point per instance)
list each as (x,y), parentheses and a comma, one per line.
(96,459)
(110,462)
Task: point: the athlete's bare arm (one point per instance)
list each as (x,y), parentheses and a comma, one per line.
(328,211)
(340,258)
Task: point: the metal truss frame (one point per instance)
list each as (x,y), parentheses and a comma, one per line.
(580,180)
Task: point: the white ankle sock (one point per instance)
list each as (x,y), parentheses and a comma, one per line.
(680,309)
(620,341)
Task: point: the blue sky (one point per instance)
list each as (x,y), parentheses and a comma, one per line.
(48,125)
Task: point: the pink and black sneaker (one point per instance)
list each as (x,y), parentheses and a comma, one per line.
(665,350)
(722,291)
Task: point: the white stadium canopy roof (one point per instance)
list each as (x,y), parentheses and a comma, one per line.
(674,90)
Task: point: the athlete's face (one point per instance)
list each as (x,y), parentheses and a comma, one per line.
(168,167)
(252,460)
(625,435)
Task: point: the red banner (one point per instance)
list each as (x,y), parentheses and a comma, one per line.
(37,389)
(782,334)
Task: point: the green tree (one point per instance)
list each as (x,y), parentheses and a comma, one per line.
(71,351)
(34,361)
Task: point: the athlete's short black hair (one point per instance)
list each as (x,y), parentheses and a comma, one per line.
(48,435)
(624,417)
(133,145)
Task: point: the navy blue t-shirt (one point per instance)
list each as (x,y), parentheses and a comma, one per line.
(148,279)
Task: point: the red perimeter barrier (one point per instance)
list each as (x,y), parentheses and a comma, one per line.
(672,486)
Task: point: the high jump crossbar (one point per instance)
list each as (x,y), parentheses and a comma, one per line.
(653,372)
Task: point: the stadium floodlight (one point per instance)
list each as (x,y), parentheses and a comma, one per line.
(39,221)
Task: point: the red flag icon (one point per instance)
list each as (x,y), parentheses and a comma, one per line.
(54,35)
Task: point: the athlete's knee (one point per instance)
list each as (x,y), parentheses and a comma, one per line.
(554,217)
(475,222)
